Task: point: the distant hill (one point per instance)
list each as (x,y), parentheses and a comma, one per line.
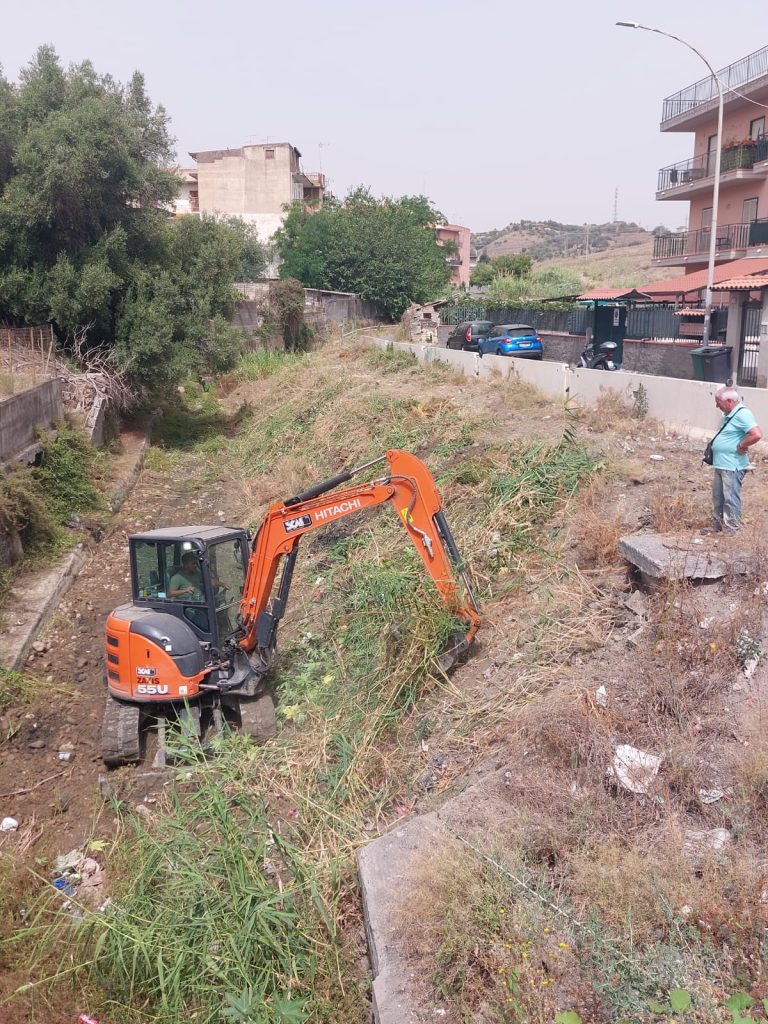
(627,266)
(549,239)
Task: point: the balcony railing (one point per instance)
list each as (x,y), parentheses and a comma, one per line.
(732,77)
(732,158)
(729,237)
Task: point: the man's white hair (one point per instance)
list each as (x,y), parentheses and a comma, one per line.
(728,394)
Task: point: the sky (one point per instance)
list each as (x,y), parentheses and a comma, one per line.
(498,111)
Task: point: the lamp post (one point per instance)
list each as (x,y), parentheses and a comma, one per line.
(716,189)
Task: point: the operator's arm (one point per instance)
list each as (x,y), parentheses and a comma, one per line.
(751,437)
(179,586)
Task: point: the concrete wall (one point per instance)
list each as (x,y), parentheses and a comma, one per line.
(21,415)
(684,406)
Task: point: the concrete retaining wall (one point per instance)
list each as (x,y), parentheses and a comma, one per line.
(684,406)
(21,415)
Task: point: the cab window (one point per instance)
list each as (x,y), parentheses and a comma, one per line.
(227,562)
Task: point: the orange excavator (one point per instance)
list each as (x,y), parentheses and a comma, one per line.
(193,647)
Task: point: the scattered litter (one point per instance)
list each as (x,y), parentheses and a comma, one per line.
(700,843)
(627,447)
(77,874)
(85,1018)
(601,697)
(685,910)
(424,746)
(634,769)
(750,667)
(697,540)
(657,458)
(66,755)
(707,622)
(507,778)
(8,825)
(711,796)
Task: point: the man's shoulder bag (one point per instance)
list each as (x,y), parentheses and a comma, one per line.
(708,457)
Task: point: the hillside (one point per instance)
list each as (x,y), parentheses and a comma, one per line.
(620,266)
(547,239)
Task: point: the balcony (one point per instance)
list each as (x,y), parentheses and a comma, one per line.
(693,246)
(735,76)
(696,174)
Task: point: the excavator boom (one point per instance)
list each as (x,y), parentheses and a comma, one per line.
(408,486)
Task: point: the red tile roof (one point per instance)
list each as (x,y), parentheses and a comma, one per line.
(697,281)
(738,284)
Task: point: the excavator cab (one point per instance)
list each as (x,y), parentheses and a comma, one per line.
(207,595)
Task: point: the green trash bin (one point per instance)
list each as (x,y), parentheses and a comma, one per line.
(698,363)
(716,360)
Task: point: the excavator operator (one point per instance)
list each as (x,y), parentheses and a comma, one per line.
(188,581)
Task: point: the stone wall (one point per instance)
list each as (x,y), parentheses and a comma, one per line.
(23,414)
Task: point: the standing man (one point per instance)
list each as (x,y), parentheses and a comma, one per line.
(739,431)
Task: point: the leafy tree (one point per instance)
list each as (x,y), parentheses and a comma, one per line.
(287,303)
(385,250)
(502,266)
(86,237)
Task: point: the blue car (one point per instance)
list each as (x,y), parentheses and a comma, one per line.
(517,340)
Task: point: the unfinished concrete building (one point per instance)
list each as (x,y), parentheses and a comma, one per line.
(253,182)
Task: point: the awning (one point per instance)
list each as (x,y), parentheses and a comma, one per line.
(614,295)
(689,312)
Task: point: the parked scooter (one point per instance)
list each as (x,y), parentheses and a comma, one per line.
(600,358)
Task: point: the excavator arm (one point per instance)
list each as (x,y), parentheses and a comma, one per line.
(408,486)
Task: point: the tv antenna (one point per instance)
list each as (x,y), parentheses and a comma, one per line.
(616,207)
(320,147)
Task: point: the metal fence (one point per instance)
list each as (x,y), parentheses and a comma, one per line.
(657,322)
(737,74)
(26,357)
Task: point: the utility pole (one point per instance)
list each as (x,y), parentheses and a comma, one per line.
(616,210)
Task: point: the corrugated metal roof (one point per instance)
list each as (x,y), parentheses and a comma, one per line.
(696,281)
(739,284)
(612,295)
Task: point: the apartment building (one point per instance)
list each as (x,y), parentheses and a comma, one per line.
(459,260)
(742,221)
(253,182)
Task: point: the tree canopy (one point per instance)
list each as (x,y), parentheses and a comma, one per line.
(86,236)
(502,266)
(385,250)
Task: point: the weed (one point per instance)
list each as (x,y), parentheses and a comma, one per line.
(640,402)
(264,362)
(17,688)
(65,475)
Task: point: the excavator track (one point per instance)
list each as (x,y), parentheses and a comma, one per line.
(120,733)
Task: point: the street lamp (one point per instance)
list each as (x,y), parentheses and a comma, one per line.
(716,191)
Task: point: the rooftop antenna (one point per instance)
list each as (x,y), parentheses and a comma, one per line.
(616,209)
(320,147)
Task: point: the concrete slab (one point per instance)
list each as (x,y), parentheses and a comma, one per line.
(679,557)
(385,868)
(32,604)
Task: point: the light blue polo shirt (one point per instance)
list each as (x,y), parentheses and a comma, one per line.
(740,422)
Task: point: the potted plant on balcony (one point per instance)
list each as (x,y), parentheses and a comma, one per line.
(737,153)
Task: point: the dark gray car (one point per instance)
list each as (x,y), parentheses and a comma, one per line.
(466,336)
